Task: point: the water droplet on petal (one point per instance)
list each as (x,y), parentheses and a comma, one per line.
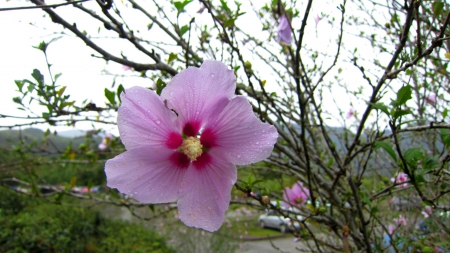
(213,75)
(238,156)
(158,122)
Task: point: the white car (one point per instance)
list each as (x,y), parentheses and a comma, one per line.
(273,219)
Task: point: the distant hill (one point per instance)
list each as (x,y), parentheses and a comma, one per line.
(36,138)
(72,133)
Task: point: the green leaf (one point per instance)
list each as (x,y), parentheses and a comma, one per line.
(19,84)
(445,113)
(229,22)
(412,155)
(17,100)
(57,76)
(399,113)
(437,7)
(180,5)
(120,89)
(110,95)
(404,94)
(64,104)
(61,91)
(42,46)
(330,162)
(184,29)
(387,148)
(172,57)
(160,85)
(380,106)
(38,76)
(430,162)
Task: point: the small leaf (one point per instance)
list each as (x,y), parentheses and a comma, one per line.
(19,84)
(399,113)
(437,8)
(42,46)
(61,91)
(17,100)
(120,89)
(180,5)
(387,148)
(412,155)
(445,113)
(160,85)
(110,95)
(38,76)
(184,29)
(57,76)
(330,162)
(229,22)
(172,57)
(404,94)
(380,106)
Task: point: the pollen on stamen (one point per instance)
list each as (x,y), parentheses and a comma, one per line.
(192,148)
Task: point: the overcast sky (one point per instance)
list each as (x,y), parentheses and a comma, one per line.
(82,74)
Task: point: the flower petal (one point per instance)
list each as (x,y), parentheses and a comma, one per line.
(238,136)
(196,93)
(205,194)
(151,176)
(144,121)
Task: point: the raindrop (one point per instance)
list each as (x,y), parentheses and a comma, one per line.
(158,122)
(213,75)
(238,156)
(257,143)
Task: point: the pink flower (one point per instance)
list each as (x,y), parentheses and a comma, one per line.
(183,145)
(284,34)
(126,68)
(391,229)
(106,142)
(350,113)
(427,212)
(317,20)
(431,99)
(401,177)
(401,221)
(297,195)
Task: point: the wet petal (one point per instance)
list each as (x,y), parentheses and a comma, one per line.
(196,93)
(238,136)
(144,121)
(151,176)
(205,194)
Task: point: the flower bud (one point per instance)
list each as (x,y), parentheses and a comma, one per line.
(322,209)
(248,65)
(265,199)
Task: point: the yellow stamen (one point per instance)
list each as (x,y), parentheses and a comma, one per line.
(192,148)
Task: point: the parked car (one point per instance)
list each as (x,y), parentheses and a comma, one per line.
(273,219)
